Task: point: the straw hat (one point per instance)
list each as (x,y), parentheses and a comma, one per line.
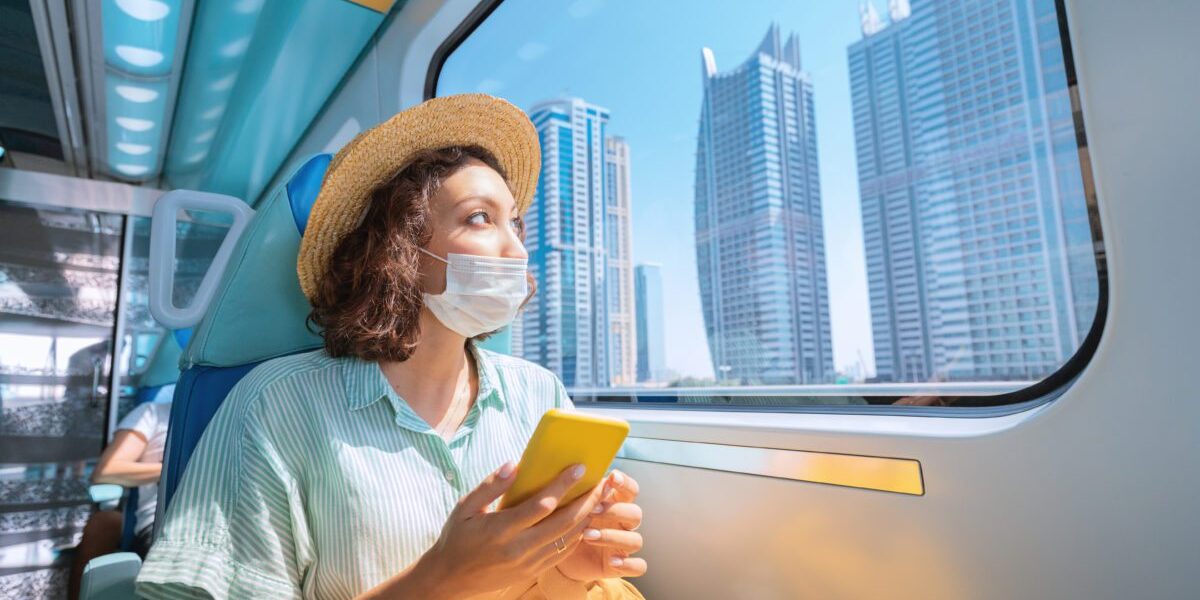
(377,154)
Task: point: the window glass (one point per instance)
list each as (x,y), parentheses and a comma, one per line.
(782,203)
(58,294)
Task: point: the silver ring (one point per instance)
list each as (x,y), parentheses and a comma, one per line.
(560,544)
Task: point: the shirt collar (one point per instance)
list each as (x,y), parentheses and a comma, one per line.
(365,383)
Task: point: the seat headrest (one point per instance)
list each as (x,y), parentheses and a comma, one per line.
(164,363)
(258,311)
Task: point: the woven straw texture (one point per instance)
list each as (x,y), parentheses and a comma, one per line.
(377,154)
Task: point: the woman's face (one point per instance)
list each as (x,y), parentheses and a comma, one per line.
(472,213)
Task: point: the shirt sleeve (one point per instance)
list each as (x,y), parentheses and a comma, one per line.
(235,526)
(142,419)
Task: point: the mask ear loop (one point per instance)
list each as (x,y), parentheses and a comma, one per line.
(433,255)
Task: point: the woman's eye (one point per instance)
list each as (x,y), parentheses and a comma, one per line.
(477,218)
(518,224)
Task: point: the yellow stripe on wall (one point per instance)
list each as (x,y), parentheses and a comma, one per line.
(898,475)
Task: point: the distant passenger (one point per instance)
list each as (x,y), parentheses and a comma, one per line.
(367,469)
(134,458)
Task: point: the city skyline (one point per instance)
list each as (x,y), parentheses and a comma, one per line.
(646,93)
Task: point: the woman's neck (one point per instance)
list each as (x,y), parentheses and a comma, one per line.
(432,378)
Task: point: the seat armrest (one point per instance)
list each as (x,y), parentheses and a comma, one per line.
(110,577)
(107,495)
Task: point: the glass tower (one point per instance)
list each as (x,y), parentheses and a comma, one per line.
(651,361)
(760,248)
(979,258)
(579,324)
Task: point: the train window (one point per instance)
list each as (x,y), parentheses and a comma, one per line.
(795,204)
(58,292)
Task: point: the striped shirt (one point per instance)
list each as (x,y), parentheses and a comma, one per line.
(316,480)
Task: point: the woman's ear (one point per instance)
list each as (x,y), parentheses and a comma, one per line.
(431,274)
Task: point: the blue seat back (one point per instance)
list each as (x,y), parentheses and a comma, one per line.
(258,313)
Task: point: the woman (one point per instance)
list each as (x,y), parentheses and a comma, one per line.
(368,468)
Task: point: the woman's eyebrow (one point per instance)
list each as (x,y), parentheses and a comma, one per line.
(487,200)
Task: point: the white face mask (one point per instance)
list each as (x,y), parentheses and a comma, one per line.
(482,293)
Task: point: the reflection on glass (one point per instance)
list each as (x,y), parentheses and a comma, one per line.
(58,289)
(808,193)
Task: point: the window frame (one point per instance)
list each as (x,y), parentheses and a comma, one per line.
(1043,391)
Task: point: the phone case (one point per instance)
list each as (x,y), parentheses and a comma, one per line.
(564,438)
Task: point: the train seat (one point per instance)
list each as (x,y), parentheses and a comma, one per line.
(257,313)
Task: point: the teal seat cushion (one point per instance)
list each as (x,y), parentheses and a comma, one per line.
(259,311)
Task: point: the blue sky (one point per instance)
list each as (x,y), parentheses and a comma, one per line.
(641,60)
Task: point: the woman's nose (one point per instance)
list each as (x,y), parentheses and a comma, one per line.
(513,246)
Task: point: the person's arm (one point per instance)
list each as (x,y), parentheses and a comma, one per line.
(119,463)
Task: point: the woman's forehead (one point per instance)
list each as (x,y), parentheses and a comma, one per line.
(476,182)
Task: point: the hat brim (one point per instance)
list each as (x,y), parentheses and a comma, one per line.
(377,154)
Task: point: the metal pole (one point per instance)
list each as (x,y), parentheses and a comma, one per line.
(114,381)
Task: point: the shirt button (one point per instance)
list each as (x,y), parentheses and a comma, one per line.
(450,476)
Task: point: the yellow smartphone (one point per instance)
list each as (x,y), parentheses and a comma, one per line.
(563,439)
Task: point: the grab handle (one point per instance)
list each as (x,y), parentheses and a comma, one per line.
(162,254)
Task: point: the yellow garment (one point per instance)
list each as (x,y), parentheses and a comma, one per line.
(553,585)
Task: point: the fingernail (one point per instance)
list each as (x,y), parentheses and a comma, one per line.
(591,534)
(578,472)
(616,561)
(617,478)
(599,508)
(506,471)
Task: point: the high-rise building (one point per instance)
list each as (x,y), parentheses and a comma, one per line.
(979,259)
(585,286)
(618,230)
(760,248)
(651,361)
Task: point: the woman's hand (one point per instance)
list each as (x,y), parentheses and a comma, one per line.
(481,551)
(610,539)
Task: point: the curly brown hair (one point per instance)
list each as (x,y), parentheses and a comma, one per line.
(369,301)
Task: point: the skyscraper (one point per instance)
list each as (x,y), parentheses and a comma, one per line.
(651,362)
(618,229)
(760,248)
(978,251)
(569,324)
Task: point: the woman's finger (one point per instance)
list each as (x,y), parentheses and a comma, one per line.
(615,539)
(622,515)
(564,520)
(485,493)
(629,567)
(542,504)
(549,555)
(626,487)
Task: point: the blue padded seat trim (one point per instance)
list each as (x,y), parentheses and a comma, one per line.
(146,394)
(129,520)
(304,186)
(198,395)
